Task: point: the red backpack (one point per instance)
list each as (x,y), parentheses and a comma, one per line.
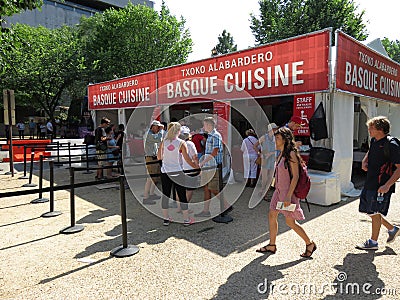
(303,184)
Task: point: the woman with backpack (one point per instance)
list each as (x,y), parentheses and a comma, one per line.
(284,200)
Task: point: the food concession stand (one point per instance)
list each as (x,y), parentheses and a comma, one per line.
(269,83)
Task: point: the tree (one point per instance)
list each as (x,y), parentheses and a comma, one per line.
(280,19)
(10,7)
(41,65)
(392,48)
(225,43)
(132,40)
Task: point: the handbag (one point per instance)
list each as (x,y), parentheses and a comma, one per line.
(100,145)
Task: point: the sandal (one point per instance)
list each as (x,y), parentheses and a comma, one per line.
(264,249)
(309,251)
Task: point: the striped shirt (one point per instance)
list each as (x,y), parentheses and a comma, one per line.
(214,140)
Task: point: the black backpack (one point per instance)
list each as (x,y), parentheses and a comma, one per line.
(387,169)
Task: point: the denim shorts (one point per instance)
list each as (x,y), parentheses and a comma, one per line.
(370,206)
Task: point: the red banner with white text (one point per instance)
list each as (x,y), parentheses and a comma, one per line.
(363,71)
(292,66)
(126,92)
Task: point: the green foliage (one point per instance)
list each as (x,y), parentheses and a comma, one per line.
(10,7)
(132,40)
(40,64)
(45,66)
(392,48)
(280,19)
(225,43)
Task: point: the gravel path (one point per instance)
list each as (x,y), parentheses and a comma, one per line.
(204,261)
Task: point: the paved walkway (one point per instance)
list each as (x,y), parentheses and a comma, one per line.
(204,261)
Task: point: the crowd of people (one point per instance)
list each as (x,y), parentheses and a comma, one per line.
(43,129)
(183,153)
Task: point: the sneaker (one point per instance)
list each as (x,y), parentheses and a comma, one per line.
(368,245)
(203,214)
(188,222)
(154,197)
(393,234)
(166,222)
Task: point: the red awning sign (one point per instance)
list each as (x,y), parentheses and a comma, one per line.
(123,93)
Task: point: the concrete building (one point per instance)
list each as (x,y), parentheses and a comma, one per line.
(55,13)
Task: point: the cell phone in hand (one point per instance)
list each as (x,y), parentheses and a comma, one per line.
(281,206)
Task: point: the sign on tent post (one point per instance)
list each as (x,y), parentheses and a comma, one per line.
(9,104)
(9,119)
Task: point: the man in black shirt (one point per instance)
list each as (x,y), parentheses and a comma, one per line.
(101,138)
(382,164)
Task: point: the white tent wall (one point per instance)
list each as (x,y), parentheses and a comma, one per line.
(382,108)
(343,119)
(373,108)
(393,114)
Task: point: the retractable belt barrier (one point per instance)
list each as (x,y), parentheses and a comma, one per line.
(120,251)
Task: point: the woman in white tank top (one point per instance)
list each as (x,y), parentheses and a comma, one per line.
(171,171)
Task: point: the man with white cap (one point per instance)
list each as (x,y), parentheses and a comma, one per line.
(152,140)
(267,152)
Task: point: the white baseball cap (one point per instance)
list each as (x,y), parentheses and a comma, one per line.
(271,126)
(156,123)
(185,130)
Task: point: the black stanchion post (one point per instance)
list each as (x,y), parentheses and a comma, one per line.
(24,177)
(51,213)
(223,217)
(87,161)
(73,228)
(124,250)
(30,184)
(69,155)
(58,163)
(40,199)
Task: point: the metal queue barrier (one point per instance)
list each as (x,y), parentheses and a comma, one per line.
(223,217)
(52,212)
(50,147)
(30,184)
(40,199)
(44,146)
(87,160)
(125,249)
(120,251)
